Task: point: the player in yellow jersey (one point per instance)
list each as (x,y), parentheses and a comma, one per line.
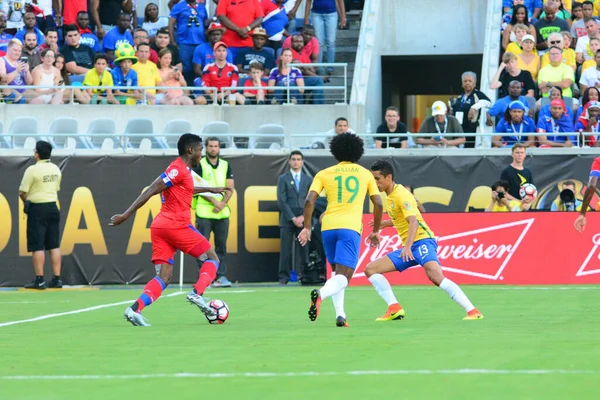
(420,247)
(345,185)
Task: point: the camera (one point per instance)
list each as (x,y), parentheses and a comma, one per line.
(313,272)
(500,195)
(567,198)
(193,19)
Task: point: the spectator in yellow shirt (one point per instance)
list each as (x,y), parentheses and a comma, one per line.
(568,55)
(594,46)
(529,60)
(99,76)
(147,71)
(516,48)
(500,202)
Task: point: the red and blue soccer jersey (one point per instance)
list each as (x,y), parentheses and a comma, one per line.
(172,228)
(213,76)
(595,170)
(177,198)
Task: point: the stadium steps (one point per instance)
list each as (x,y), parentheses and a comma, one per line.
(346,47)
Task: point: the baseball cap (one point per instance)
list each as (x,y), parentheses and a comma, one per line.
(517,105)
(215,26)
(439,108)
(528,37)
(259,32)
(218,44)
(594,104)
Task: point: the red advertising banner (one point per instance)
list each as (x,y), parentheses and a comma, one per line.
(537,248)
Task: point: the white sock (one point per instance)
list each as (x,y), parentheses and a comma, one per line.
(381,284)
(338,303)
(456,294)
(333,285)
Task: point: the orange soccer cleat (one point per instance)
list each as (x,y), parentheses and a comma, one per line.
(473,314)
(394,311)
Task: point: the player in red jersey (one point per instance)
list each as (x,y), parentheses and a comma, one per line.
(172,229)
(590,190)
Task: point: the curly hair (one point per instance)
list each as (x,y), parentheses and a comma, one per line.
(347,147)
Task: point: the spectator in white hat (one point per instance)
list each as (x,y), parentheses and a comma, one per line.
(442,126)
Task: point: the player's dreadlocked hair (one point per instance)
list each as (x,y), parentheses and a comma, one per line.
(347,147)
(384,167)
(187,140)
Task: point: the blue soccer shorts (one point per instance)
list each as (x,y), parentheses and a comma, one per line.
(424,251)
(342,247)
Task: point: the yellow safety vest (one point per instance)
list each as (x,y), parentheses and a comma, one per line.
(216,177)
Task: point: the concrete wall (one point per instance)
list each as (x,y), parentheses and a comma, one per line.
(432,27)
(424,27)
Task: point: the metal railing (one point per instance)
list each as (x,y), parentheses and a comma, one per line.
(167,142)
(340,93)
(491,57)
(364,52)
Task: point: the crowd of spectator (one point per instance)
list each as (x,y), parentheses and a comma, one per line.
(548,85)
(251,44)
(547,81)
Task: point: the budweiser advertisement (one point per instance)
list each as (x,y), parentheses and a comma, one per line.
(537,248)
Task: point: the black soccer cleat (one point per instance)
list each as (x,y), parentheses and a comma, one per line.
(56,284)
(341,322)
(35,284)
(315,304)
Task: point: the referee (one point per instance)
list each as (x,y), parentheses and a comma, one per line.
(39,191)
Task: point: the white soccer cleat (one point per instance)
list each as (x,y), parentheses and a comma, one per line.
(198,300)
(136,319)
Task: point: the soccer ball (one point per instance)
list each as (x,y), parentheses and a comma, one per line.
(221,310)
(528,190)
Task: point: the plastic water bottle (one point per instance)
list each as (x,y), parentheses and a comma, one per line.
(368,127)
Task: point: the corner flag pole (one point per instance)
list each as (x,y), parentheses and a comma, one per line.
(180,271)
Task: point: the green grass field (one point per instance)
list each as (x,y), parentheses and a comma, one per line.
(535,343)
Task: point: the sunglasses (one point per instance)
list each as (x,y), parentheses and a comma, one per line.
(556,42)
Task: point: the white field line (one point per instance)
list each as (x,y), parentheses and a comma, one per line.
(402,288)
(220,375)
(35,302)
(82,310)
(230,291)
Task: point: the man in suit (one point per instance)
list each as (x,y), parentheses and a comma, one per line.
(292,189)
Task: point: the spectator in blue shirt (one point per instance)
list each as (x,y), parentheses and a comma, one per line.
(500,106)
(517,125)
(533,6)
(29,21)
(204,53)
(555,93)
(257,53)
(189,17)
(4,37)
(557,122)
(87,36)
(117,36)
(324,17)
(124,75)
